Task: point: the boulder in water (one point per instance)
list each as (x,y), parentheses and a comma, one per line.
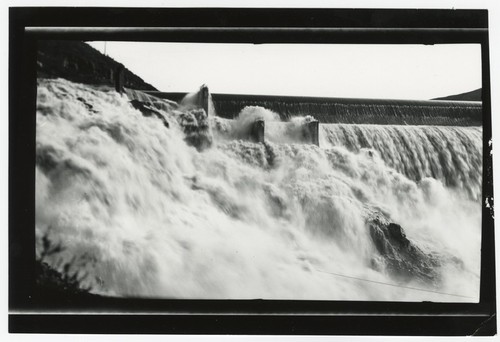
(148,111)
(401,257)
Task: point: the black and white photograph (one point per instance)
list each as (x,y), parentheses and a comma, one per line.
(282,170)
(237,171)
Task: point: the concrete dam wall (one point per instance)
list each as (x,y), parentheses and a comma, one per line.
(347,110)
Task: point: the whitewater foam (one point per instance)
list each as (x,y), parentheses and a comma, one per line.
(240,219)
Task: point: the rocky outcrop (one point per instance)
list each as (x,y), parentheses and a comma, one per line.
(398,255)
(148,111)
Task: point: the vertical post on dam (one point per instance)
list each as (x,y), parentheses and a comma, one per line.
(119,78)
(311,132)
(203,98)
(257,131)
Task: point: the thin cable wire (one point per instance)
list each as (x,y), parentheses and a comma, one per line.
(394,285)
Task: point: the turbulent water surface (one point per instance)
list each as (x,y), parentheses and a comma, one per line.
(148,208)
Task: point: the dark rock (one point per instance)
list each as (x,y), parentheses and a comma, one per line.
(148,111)
(87,105)
(401,257)
(397,234)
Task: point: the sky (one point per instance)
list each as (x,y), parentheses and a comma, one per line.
(329,70)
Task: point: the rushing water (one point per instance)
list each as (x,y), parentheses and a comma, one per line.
(279,220)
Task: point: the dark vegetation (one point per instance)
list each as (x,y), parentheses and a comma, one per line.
(79,62)
(64,280)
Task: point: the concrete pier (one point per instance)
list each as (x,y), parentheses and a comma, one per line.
(311,132)
(257,131)
(119,78)
(204,98)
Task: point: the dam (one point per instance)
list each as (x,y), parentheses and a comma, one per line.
(403,132)
(349,110)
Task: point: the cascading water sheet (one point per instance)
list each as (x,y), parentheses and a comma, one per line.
(451,154)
